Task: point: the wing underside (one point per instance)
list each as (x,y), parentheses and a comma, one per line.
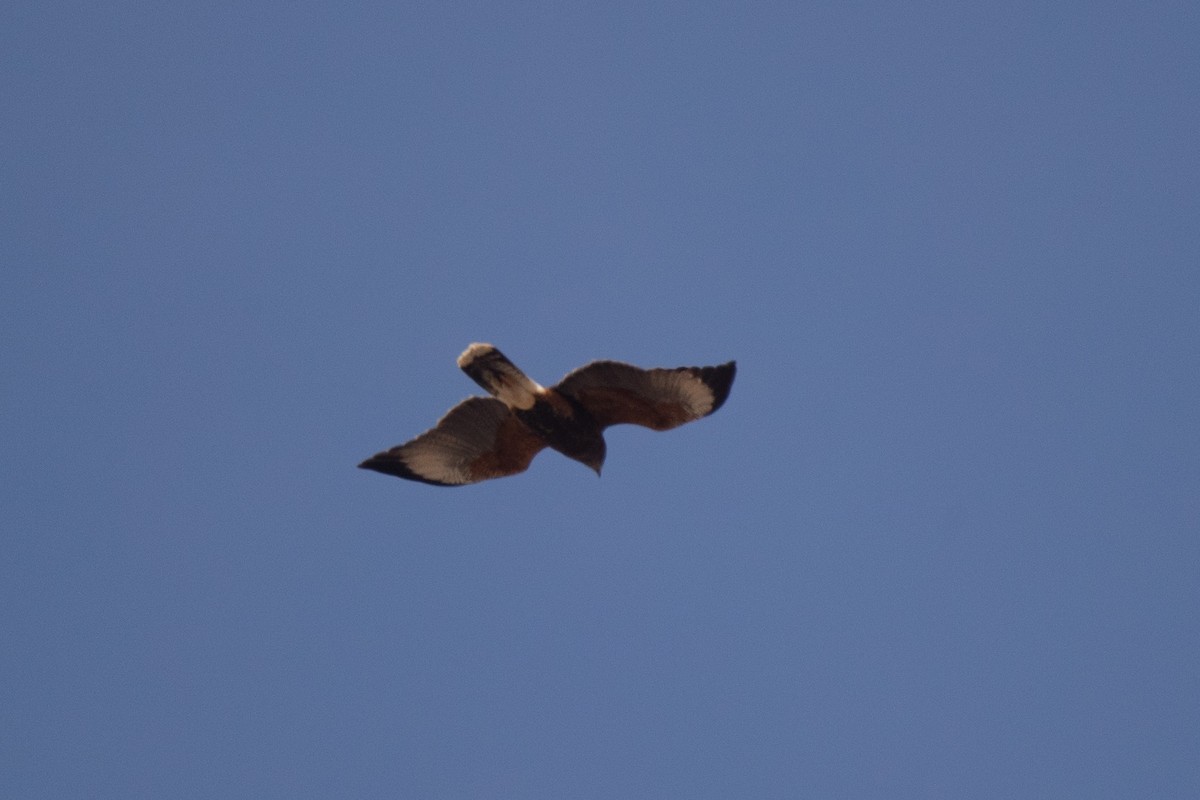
(617,393)
(477,440)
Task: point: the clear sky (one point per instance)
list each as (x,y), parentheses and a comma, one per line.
(942,541)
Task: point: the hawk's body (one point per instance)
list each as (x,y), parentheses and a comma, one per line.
(491,437)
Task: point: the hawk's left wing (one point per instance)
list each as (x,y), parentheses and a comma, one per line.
(478,439)
(615,393)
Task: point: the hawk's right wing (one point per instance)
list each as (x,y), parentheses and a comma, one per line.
(614,392)
(478,439)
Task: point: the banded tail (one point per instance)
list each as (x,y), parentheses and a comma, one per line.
(488,367)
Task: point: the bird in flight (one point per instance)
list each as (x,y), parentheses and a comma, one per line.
(491,437)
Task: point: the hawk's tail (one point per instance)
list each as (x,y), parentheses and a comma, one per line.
(488,367)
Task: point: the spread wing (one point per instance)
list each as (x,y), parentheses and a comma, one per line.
(661,399)
(478,439)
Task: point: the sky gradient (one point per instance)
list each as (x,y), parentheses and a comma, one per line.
(942,540)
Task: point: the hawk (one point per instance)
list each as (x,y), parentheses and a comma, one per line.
(491,437)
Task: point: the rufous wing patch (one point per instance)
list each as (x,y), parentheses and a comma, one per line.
(511,452)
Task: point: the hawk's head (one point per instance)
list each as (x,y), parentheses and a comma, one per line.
(592,454)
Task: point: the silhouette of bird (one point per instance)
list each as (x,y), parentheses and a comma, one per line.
(491,437)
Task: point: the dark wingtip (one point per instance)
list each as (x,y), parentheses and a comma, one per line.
(719,379)
(388,464)
(385,464)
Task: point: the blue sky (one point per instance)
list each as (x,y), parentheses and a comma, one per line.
(940,542)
